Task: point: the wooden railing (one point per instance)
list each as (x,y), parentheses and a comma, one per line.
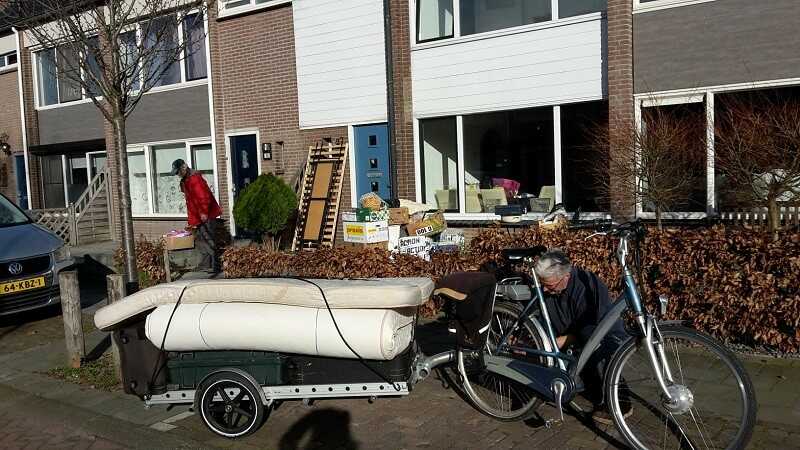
(60,221)
(88,219)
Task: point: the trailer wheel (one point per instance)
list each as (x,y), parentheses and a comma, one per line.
(230,405)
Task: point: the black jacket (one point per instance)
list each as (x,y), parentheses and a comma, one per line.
(580,308)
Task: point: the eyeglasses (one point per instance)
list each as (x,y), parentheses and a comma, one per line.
(552,284)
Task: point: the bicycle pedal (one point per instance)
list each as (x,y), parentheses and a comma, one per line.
(550,423)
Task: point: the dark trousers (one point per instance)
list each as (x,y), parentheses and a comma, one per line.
(205,243)
(593,373)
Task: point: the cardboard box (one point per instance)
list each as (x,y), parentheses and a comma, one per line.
(419,246)
(380,245)
(399,216)
(430,225)
(368,215)
(366,232)
(179,242)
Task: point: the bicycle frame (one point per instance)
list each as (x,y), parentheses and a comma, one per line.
(647,325)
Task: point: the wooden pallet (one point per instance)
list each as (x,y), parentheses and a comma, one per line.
(320,196)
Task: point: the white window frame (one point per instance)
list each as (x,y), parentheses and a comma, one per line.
(555,20)
(223,11)
(681,99)
(183,83)
(148,151)
(6,67)
(640,7)
(462,216)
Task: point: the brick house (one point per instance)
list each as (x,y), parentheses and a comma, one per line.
(12,164)
(479,91)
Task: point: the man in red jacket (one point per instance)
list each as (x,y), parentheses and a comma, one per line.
(202,211)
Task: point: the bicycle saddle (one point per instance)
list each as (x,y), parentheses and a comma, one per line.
(517,254)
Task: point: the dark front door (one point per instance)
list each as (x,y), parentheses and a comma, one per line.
(372,160)
(53,181)
(22,177)
(244,163)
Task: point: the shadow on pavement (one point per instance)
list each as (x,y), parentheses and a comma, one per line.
(324,428)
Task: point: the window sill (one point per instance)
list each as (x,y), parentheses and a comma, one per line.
(155,90)
(241,10)
(8,68)
(509,31)
(483,217)
(664,4)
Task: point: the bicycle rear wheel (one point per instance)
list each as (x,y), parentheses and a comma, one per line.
(718,409)
(492,394)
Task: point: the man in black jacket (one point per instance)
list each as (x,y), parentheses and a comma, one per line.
(577,301)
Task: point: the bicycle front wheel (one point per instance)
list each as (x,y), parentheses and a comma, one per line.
(717,408)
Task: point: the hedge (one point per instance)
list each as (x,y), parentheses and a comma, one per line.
(733,283)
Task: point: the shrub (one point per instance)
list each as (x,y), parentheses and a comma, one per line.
(265,207)
(733,283)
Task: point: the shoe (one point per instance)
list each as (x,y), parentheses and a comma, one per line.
(601,414)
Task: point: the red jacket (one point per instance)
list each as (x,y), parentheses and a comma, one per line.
(199,199)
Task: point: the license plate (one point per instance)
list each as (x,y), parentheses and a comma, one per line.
(21,285)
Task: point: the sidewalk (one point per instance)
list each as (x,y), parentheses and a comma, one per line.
(431,417)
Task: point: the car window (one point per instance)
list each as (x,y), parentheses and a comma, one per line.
(10,214)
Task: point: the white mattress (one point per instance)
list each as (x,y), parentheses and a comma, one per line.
(379,293)
(372,333)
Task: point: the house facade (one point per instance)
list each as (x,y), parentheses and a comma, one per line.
(439,106)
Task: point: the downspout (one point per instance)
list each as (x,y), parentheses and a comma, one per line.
(390,118)
(23,119)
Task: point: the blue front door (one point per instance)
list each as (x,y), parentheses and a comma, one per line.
(372,160)
(22,176)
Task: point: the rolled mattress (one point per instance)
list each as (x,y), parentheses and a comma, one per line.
(378,334)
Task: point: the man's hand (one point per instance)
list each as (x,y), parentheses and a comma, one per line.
(563,341)
(203,218)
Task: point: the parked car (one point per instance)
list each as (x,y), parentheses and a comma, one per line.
(31,257)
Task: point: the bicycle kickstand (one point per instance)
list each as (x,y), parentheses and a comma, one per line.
(558,396)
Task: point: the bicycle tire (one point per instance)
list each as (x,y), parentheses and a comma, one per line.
(470,378)
(673,424)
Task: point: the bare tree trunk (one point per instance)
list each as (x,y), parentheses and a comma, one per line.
(658,218)
(773,217)
(126,216)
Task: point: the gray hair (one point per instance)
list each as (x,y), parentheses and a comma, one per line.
(553,264)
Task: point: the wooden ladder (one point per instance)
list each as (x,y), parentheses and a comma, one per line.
(320,196)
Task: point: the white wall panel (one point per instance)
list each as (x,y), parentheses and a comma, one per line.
(555,64)
(341,67)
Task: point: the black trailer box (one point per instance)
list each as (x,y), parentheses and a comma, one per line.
(185,370)
(306,370)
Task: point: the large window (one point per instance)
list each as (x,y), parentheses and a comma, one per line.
(686,122)
(167,196)
(510,145)
(478,16)
(582,179)
(436,18)
(155,191)
(511,157)
(56,70)
(137,179)
(439,161)
(203,162)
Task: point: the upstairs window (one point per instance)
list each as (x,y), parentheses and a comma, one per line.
(56,69)
(8,59)
(436,18)
(228,7)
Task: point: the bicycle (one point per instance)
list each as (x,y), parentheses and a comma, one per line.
(659,369)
